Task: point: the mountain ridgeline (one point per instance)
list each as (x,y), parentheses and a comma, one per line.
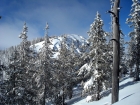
(79,43)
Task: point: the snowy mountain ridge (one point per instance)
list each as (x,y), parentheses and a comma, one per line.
(56,41)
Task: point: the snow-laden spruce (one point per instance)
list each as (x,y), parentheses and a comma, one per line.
(134,44)
(99,63)
(21,68)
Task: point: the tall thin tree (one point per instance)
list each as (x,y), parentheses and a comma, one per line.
(45,58)
(98,55)
(116,51)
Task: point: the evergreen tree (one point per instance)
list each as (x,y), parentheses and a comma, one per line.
(46,67)
(130,62)
(72,66)
(98,54)
(24,79)
(3,85)
(134,21)
(14,68)
(64,67)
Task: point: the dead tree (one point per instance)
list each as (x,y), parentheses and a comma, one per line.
(116,52)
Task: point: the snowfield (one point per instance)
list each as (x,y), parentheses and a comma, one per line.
(129,94)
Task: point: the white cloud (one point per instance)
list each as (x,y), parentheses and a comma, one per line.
(9,33)
(63,16)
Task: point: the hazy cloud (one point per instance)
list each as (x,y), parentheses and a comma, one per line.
(63,16)
(9,33)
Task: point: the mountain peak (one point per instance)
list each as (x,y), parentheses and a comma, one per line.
(56,41)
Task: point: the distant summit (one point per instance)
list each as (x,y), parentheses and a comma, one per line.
(78,41)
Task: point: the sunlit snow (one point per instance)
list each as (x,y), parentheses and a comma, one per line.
(129,94)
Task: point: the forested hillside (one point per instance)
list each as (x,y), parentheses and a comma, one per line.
(64,69)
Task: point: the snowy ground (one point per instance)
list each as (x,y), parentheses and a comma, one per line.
(129,94)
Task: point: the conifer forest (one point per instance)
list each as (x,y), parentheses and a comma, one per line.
(47,70)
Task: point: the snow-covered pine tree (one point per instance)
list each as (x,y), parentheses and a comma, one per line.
(98,54)
(109,59)
(46,67)
(32,75)
(14,68)
(84,56)
(74,58)
(64,72)
(65,66)
(24,87)
(134,22)
(3,85)
(57,81)
(72,66)
(129,59)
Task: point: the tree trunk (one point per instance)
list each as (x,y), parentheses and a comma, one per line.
(137,71)
(45,89)
(44,97)
(14,85)
(63,98)
(116,52)
(98,91)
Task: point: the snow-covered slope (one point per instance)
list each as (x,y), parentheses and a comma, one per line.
(78,41)
(129,94)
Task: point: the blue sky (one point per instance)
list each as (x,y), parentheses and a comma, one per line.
(63,17)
